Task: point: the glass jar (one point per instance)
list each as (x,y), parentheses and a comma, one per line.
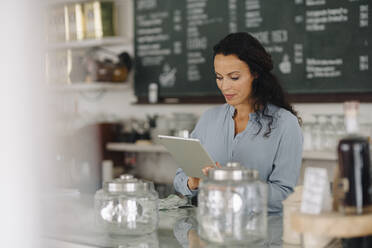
(232,206)
(127,206)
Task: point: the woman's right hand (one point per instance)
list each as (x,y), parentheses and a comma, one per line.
(193,182)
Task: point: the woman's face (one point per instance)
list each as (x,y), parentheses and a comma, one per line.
(234,79)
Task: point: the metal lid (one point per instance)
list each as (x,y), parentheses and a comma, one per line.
(233,165)
(122,186)
(128,183)
(233,171)
(126,176)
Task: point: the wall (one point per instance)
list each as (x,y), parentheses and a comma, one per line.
(88,107)
(118,105)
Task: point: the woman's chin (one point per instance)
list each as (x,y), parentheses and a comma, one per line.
(230,101)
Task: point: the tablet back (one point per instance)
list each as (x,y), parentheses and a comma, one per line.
(189,154)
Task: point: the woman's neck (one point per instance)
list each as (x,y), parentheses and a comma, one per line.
(242,111)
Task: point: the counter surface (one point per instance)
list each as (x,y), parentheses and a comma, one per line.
(69,222)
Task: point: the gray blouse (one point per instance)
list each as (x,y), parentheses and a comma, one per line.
(277,158)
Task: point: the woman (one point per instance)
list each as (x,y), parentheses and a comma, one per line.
(256,127)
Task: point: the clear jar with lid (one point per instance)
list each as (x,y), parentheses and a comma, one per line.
(232,206)
(127,206)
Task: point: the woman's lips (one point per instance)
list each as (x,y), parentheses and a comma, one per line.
(229,96)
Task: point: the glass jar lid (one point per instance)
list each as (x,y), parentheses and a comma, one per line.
(126,183)
(232,171)
(233,165)
(126,176)
(123,186)
(221,174)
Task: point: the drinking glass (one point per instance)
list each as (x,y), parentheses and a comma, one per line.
(316,134)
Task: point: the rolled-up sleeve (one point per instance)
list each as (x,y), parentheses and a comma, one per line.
(286,167)
(180,184)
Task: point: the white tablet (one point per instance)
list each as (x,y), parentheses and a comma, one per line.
(189,154)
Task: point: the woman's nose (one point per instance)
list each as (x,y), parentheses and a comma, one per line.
(225,84)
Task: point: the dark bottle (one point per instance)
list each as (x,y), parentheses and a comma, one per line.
(354,166)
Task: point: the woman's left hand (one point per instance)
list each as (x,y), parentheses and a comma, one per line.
(207,168)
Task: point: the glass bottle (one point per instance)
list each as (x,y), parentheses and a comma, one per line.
(317,134)
(354,186)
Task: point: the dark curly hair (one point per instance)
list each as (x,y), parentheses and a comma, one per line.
(265,87)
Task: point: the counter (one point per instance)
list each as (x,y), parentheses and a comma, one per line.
(69,222)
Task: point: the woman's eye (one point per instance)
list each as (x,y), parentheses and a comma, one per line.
(218,78)
(235,78)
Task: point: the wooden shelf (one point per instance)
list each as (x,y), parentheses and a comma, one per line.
(91,86)
(130,147)
(87,43)
(320,155)
(333,224)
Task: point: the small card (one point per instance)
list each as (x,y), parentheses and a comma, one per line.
(316,193)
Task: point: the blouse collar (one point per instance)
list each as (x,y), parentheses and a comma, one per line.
(231,110)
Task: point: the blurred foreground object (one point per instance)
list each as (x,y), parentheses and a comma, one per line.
(25,127)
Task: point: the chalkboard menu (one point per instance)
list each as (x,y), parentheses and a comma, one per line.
(318,46)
